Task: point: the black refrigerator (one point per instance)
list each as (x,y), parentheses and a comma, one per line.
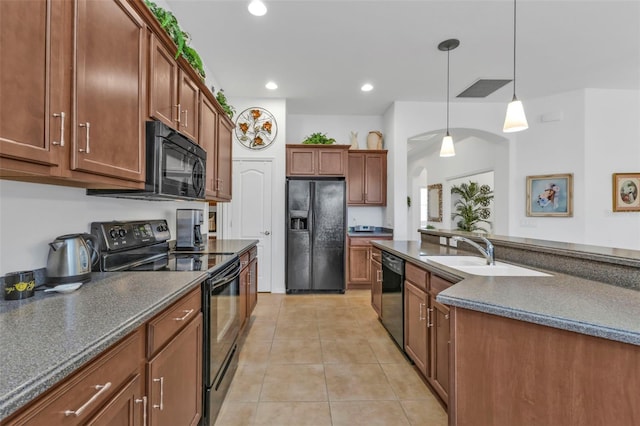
(315,224)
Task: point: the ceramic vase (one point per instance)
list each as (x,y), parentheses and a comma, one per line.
(374,140)
(354,140)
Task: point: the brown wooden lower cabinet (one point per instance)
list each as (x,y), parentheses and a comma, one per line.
(248,283)
(510,372)
(427,335)
(376,280)
(116,389)
(359,249)
(174,379)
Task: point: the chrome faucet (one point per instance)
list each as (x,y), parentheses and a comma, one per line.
(488,253)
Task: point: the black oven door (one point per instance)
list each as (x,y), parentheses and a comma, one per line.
(181,172)
(221,306)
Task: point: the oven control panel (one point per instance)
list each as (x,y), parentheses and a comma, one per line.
(114,236)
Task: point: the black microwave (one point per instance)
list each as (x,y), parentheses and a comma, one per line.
(175,168)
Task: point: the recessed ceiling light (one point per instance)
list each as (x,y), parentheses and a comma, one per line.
(257,8)
(271,85)
(366,87)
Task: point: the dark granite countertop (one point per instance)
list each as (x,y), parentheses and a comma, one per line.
(49,336)
(560,301)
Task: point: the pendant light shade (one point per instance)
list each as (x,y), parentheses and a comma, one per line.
(515,120)
(447,149)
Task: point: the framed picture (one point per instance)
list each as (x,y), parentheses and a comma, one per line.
(434,202)
(550,195)
(625,192)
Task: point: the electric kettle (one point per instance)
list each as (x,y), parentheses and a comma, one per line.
(70,259)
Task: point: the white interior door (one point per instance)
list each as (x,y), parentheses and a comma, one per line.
(249,212)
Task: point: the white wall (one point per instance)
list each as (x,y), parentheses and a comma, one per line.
(340,127)
(276,153)
(32,215)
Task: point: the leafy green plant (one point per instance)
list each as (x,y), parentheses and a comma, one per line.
(169,23)
(222,100)
(318,139)
(473,206)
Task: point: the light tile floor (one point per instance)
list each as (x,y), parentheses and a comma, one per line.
(324,360)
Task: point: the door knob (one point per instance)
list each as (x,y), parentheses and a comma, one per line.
(266,233)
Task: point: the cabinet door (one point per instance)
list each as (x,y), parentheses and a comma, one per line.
(253,286)
(110,82)
(332,162)
(359,266)
(126,408)
(375,179)
(244,284)
(207,140)
(174,379)
(439,356)
(415,325)
(163,78)
(188,99)
(301,161)
(355,179)
(34,79)
(223,183)
(376,287)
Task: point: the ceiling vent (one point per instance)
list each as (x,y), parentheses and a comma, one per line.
(482,88)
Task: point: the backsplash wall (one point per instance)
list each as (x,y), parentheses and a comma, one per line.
(32,215)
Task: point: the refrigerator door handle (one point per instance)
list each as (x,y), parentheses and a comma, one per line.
(311,226)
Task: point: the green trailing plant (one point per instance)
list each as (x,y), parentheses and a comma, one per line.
(222,100)
(473,206)
(318,139)
(169,23)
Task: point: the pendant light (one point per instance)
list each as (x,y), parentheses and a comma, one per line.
(447,149)
(515,120)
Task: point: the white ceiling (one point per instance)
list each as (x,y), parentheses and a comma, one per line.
(321,51)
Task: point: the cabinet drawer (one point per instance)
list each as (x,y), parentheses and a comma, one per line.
(244,259)
(88,389)
(416,275)
(357,241)
(172,320)
(253,253)
(376,254)
(438,284)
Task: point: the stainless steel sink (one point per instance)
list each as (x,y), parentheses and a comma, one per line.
(478,266)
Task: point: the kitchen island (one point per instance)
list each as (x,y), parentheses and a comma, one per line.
(47,338)
(536,350)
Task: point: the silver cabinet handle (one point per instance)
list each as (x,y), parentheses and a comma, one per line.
(179,113)
(186,314)
(144,409)
(186,118)
(421,318)
(87,126)
(429,317)
(100,388)
(61,115)
(161,405)
(218,184)
(266,233)
(379,275)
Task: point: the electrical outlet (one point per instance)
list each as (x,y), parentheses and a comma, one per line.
(453,243)
(443,241)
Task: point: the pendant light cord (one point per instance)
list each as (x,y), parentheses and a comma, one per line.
(448,53)
(514,49)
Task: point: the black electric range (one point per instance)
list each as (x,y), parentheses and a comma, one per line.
(144,246)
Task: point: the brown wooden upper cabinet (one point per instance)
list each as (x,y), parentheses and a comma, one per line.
(317,160)
(173,94)
(94,133)
(223,176)
(367,178)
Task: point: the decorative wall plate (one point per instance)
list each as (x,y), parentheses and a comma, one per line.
(256,128)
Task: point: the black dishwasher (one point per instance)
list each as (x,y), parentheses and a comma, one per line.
(392,308)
